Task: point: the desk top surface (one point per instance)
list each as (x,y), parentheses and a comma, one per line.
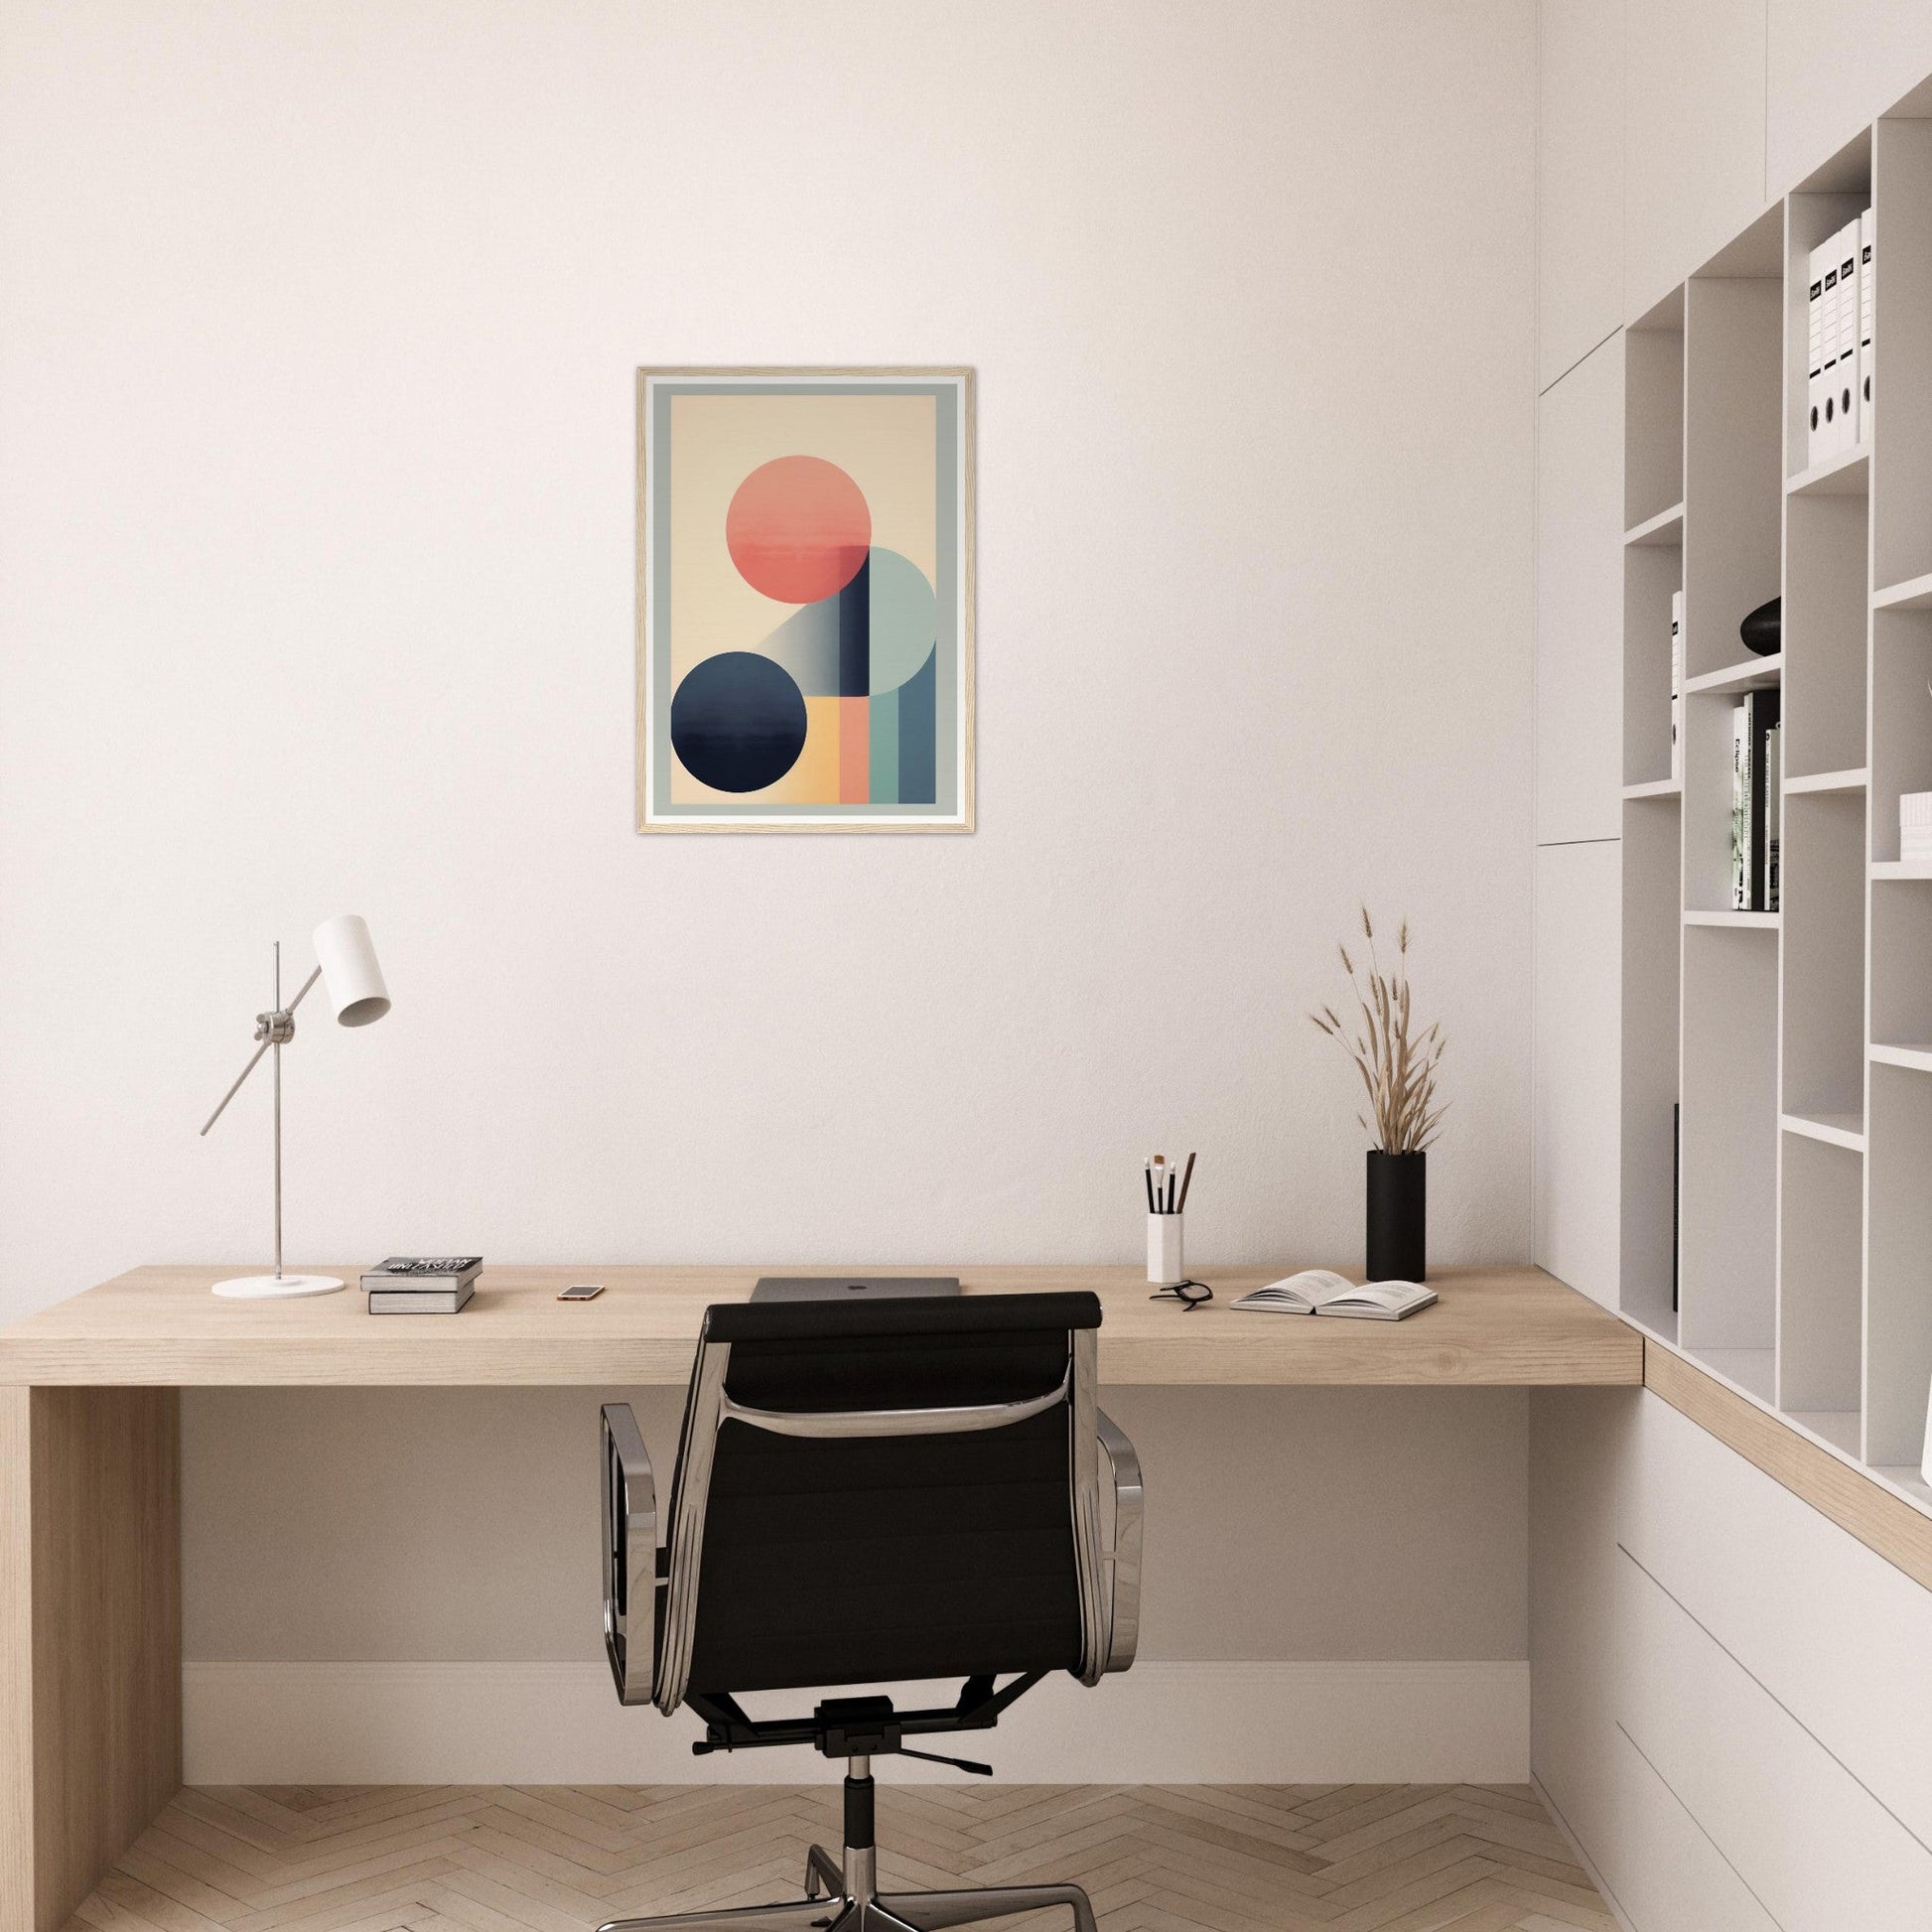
(159,1326)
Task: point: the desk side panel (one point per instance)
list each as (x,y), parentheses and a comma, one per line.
(103,1547)
(16,1664)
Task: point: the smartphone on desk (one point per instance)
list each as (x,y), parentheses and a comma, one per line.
(582,1292)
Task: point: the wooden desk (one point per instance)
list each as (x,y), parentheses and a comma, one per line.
(90,1461)
(161,1326)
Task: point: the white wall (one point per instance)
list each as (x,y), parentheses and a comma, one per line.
(316,498)
(316,487)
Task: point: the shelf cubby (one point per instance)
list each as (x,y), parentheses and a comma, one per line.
(1652,854)
(1899,1292)
(1734,475)
(1822,917)
(1652,573)
(1653,418)
(1837,193)
(1820,1242)
(1901,401)
(1901,718)
(1729,1221)
(1901,963)
(1826,614)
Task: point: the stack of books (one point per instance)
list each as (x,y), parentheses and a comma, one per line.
(421,1284)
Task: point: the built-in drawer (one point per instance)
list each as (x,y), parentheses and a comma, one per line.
(1840,1638)
(1666,1873)
(1815,1846)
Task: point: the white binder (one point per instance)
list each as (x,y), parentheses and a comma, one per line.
(1828,421)
(1846,390)
(1867,297)
(1815,356)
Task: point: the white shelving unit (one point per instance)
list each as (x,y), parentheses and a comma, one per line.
(1797,1044)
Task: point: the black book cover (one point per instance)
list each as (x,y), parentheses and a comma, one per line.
(1675,1191)
(1760,714)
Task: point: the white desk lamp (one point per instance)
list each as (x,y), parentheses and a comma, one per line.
(345,965)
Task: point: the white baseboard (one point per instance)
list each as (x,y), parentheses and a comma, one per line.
(561,1723)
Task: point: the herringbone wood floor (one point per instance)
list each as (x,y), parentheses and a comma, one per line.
(558,1858)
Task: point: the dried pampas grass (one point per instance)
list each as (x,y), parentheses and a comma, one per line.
(1398,1067)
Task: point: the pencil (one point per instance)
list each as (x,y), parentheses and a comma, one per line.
(1187,1182)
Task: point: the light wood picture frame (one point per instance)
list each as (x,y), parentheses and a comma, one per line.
(804,600)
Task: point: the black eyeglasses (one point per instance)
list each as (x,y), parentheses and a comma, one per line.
(1190,1295)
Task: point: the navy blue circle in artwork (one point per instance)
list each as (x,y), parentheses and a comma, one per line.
(738,722)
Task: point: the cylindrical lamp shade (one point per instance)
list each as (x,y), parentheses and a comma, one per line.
(349,975)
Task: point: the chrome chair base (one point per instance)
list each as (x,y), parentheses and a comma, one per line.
(840,1901)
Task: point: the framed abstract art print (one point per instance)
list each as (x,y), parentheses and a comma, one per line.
(804,600)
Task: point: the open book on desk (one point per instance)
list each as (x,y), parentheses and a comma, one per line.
(1321,1290)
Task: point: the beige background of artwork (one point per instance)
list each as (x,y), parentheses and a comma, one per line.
(885,444)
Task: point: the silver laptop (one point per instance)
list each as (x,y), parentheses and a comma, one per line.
(847,1288)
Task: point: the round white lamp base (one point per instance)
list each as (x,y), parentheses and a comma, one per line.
(275,1287)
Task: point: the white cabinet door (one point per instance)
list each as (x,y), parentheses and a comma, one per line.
(1580,180)
(1575,1110)
(1834,68)
(1693,137)
(1578,753)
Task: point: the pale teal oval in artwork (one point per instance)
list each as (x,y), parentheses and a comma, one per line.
(903,620)
(828,657)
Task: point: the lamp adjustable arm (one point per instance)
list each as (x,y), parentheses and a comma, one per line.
(274,1028)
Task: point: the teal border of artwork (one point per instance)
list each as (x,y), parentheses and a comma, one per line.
(949,393)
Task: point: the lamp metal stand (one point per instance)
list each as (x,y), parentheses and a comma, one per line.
(273,1030)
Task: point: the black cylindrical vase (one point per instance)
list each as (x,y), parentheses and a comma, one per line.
(1397,1215)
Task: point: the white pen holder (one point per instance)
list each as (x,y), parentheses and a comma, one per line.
(1164,1249)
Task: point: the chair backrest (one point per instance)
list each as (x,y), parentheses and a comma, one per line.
(891,1490)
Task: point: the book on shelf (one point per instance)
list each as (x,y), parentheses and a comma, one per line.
(1773,811)
(1677,686)
(1740,810)
(419,1301)
(1752,818)
(422,1274)
(1321,1290)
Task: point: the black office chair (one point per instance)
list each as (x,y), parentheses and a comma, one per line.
(868,1494)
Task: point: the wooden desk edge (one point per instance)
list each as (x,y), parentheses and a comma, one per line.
(1560,1338)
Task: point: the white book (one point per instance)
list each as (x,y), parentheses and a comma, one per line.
(1773,812)
(1741,809)
(1846,393)
(1676,685)
(1866,301)
(1321,1290)
(1815,356)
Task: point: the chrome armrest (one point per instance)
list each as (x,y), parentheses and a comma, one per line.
(630,1555)
(1123,1559)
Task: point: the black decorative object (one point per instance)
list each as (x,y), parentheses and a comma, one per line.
(1764,630)
(1397,1216)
